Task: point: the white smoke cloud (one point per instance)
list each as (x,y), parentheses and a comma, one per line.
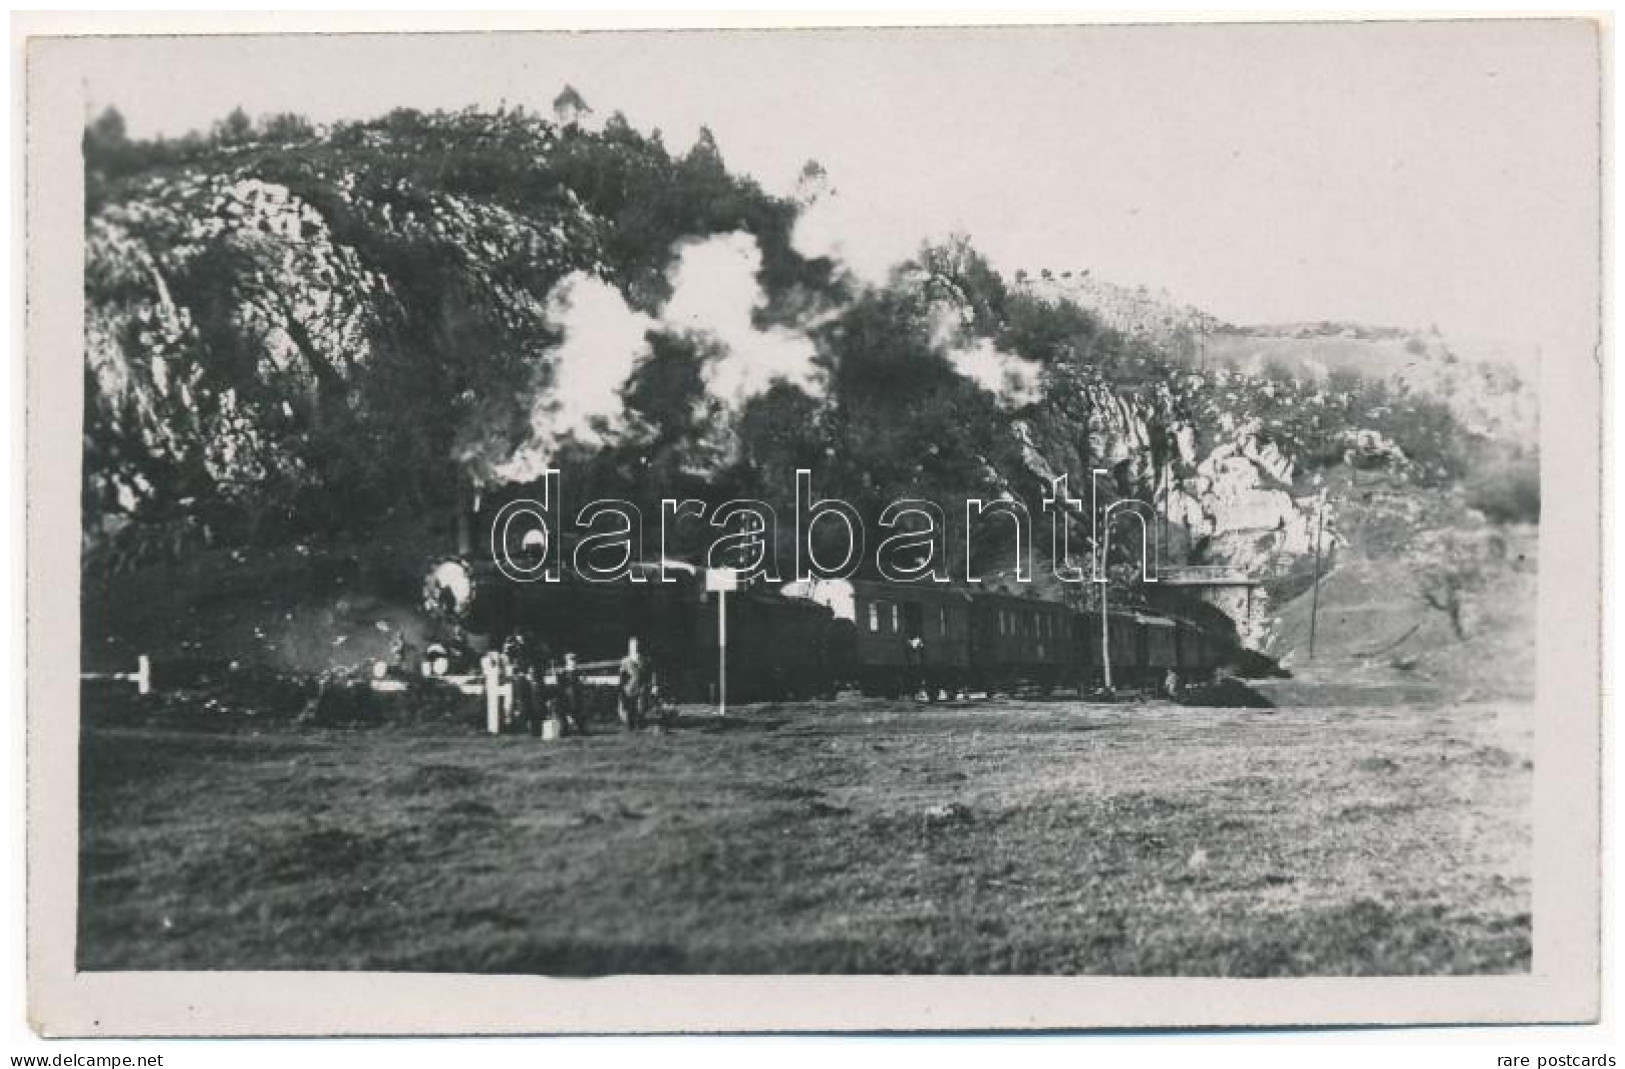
(714,291)
(830,226)
(603,341)
(820,228)
(1014,380)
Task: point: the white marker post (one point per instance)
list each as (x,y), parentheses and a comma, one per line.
(721,581)
(491,668)
(141,677)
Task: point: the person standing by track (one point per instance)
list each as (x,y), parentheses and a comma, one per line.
(526,658)
(636,687)
(569,701)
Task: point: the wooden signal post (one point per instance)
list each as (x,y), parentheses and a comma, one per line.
(720,581)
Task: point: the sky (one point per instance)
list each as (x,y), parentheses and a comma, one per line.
(1395,174)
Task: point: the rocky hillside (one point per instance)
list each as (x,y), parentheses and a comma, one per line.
(291,330)
(330,338)
(1418,588)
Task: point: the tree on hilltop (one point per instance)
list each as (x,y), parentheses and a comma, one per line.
(569,107)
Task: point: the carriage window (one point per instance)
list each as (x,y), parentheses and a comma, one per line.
(874,616)
(942,619)
(896,617)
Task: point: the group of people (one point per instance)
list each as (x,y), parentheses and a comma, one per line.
(567,701)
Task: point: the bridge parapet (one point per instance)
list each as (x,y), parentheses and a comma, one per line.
(1207,575)
(1225,574)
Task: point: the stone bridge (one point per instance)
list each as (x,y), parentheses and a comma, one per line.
(1229,589)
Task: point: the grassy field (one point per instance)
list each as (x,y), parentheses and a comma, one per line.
(859,836)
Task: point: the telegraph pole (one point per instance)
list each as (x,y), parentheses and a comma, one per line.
(1314,598)
(1105,633)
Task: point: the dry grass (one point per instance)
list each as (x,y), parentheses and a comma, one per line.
(1020,837)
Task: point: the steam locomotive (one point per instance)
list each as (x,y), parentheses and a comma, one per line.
(777,646)
(810,638)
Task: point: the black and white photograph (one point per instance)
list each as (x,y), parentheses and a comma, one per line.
(1066,501)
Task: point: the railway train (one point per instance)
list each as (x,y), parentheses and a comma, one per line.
(911,636)
(777,646)
(811,638)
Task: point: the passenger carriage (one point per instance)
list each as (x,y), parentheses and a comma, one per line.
(1023,641)
(897,638)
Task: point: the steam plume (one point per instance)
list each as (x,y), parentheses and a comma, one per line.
(1015,381)
(603,341)
(1010,378)
(819,228)
(714,292)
